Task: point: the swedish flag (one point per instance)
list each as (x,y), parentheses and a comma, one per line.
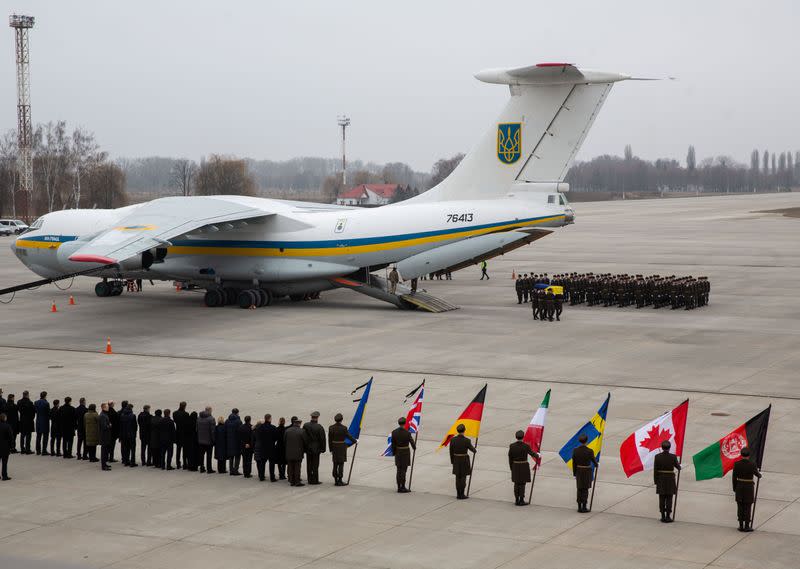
(358,417)
(594,432)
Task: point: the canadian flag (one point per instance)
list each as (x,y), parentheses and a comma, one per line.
(638,450)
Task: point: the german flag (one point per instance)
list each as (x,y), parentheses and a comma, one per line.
(470,418)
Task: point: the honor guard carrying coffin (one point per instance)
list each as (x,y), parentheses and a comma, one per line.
(459,458)
(402,443)
(664,465)
(583,460)
(744,473)
(518,453)
(338,435)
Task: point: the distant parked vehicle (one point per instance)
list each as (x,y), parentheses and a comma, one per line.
(15,225)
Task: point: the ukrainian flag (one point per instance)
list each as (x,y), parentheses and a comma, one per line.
(594,432)
(358,417)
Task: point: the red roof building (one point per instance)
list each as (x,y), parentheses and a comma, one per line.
(367,195)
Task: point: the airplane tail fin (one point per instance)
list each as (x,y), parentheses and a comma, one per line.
(537,135)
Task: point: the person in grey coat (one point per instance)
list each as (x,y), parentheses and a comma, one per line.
(232,441)
(295,447)
(104,426)
(205,439)
(315,443)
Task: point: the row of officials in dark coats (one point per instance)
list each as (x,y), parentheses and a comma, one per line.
(194,440)
(620,290)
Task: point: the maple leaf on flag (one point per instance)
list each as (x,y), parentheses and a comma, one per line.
(655,436)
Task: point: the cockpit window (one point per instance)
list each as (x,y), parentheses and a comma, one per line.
(563,199)
(35,225)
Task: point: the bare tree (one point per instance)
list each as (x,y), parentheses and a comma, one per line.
(227,176)
(10,172)
(444,167)
(183,172)
(330,188)
(104,186)
(85,154)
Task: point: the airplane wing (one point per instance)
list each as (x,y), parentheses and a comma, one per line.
(153,224)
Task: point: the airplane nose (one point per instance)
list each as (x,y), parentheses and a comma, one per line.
(14,246)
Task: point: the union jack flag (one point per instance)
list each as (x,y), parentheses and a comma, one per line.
(413,417)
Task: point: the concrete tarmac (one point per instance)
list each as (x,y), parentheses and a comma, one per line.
(731,358)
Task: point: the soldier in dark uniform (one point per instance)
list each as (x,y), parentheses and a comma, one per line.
(744,472)
(535,305)
(518,453)
(459,458)
(583,460)
(664,465)
(526,287)
(295,448)
(401,441)
(549,306)
(518,288)
(338,435)
(558,304)
(314,439)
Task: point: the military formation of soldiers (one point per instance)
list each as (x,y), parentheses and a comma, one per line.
(545,304)
(616,290)
(191,438)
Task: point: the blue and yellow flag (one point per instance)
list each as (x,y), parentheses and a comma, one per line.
(593,430)
(358,417)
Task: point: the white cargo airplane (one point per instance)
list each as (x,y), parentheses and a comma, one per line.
(505,193)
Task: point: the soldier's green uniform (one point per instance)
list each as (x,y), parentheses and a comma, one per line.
(402,443)
(338,435)
(459,458)
(664,465)
(744,473)
(583,460)
(518,453)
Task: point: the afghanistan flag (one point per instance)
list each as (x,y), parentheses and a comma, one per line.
(716,460)
(358,417)
(535,430)
(470,418)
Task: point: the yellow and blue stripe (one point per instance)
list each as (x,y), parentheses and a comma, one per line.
(44,241)
(593,430)
(326,248)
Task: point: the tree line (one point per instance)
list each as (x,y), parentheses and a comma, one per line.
(767,171)
(69,170)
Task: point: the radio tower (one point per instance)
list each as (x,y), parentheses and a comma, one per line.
(344,122)
(21,25)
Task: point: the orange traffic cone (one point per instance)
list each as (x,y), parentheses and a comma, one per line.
(108,346)
(53,307)
(71,300)
(177,288)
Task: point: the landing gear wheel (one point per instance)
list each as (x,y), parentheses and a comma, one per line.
(229,295)
(267,297)
(102,289)
(263,297)
(246,299)
(116,290)
(214,298)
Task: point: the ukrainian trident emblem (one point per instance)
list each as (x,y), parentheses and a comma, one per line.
(509,142)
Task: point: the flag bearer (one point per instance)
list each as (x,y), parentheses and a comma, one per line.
(583,460)
(459,458)
(338,436)
(664,465)
(518,453)
(744,472)
(402,443)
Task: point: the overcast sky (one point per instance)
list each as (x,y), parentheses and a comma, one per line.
(267,79)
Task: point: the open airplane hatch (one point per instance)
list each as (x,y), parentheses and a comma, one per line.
(534,235)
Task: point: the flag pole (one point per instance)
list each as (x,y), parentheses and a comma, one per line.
(533,482)
(594,483)
(352,462)
(677,487)
(413,456)
(755,501)
(760,459)
(472,465)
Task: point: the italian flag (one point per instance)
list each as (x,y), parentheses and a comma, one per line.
(716,460)
(639,450)
(535,430)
